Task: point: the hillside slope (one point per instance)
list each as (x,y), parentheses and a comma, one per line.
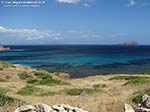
(95,94)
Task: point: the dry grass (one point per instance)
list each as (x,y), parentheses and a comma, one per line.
(112,98)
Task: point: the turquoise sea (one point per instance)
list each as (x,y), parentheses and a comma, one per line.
(81,60)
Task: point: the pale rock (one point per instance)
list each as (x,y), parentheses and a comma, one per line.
(145,101)
(46,108)
(78,110)
(26,108)
(42,108)
(128,108)
(58,107)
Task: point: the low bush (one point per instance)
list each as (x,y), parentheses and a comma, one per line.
(77,91)
(32,81)
(99,86)
(24,76)
(138,98)
(44,78)
(134,80)
(3,80)
(3,91)
(42,75)
(31,90)
(4,99)
(146,73)
(1,69)
(6,65)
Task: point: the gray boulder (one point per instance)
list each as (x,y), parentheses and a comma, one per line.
(46,108)
(145,102)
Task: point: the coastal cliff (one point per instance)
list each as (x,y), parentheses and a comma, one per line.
(2,48)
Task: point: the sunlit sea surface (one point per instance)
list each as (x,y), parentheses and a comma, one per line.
(82,61)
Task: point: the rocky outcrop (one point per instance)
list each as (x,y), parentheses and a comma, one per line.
(143,107)
(2,48)
(46,108)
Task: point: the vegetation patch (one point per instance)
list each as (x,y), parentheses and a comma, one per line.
(44,78)
(24,76)
(31,90)
(3,80)
(1,69)
(33,81)
(77,91)
(6,65)
(147,73)
(4,99)
(134,80)
(3,91)
(99,86)
(138,98)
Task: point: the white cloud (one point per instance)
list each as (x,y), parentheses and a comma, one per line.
(131,3)
(9,30)
(38,36)
(29,34)
(86,5)
(68,1)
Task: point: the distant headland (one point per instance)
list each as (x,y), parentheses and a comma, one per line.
(2,48)
(129,43)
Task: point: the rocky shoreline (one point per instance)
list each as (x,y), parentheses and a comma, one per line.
(2,48)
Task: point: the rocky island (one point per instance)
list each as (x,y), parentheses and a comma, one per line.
(129,43)
(2,48)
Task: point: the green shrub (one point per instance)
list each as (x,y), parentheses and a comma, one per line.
(146,73)
(99,86)
(6,65)
(31,90)
(33,81)
(1,68)
(50,82)
(4,99)
(77,91)
(138,98)
(44,78)
(2,80)
(42,75)
(134,80)
(24,76)
(3,91)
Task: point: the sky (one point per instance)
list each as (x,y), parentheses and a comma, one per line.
(74,22)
